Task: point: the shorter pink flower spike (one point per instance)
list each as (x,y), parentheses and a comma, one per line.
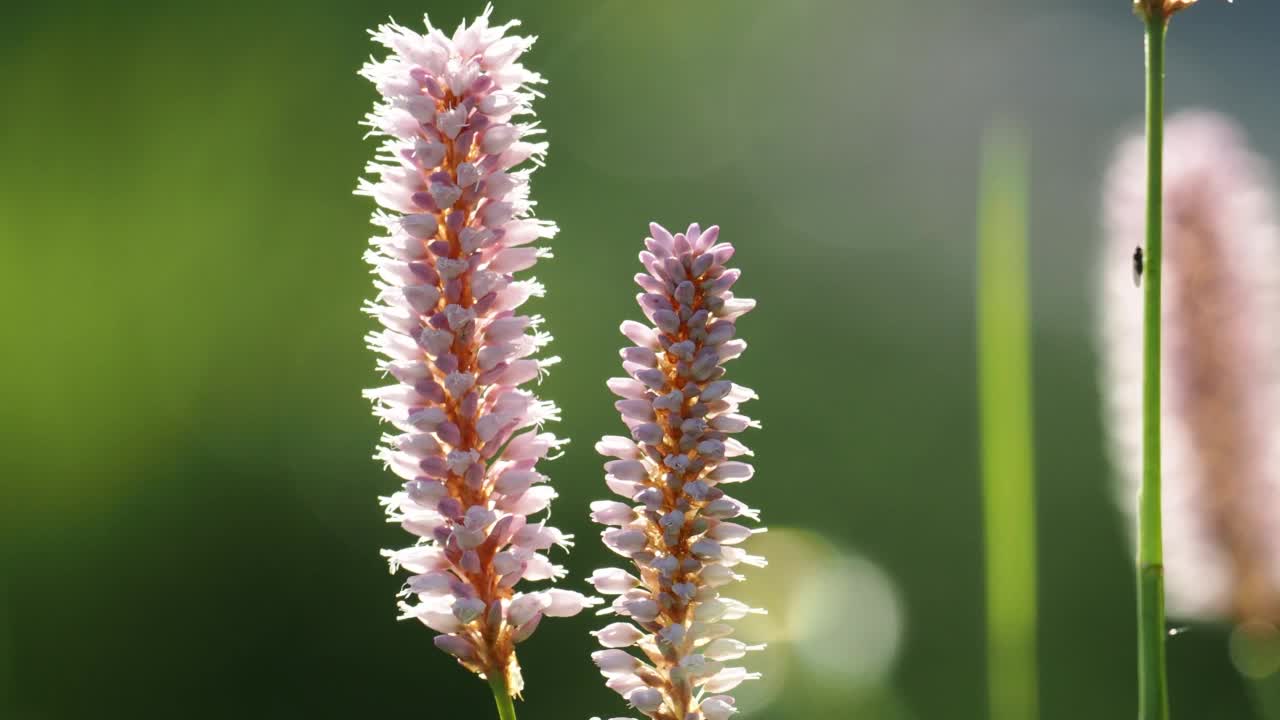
(674,521)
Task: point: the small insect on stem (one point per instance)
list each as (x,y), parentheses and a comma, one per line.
(1137,266)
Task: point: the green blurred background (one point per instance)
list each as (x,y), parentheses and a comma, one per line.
(189,523)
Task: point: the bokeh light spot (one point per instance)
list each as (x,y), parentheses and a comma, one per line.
(1255,649)
(847,621)
(835,621)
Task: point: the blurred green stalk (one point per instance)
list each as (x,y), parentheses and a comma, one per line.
(1153,697)
(502,696)
(1004,382)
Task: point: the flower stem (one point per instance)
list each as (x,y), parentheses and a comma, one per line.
(502,697)
(1152,681)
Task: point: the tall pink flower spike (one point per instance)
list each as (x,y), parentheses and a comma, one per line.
(1221,393)
(457,225)
(676,525)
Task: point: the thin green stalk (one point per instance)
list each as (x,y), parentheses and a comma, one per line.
(1153,703)
(1004,385)
(502,697)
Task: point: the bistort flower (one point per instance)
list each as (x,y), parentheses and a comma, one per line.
(1221,365)
(457,224)
(677,524)
(1161,8)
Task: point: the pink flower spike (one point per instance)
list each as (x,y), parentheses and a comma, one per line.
(456,223)
(676,529)
(1220,403)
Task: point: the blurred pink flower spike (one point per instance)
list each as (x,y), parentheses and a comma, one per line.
(1221,341)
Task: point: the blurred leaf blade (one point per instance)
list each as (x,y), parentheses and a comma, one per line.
(1008,475)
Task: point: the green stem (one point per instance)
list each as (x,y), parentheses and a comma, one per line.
(502,697)
(1152,681)
(1008,473)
